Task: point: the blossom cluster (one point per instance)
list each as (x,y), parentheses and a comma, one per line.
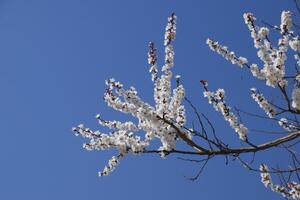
(295,43)
(168,106)
(291,191)
(217,99)
(122,139)
(226,53)
(170,32)
(273,58)
(152,61)
(273,70)
(288,125)
(263,103)
(286,22)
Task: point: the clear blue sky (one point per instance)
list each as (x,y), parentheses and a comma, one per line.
(54,58)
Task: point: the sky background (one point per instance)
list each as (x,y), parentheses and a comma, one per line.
(54,58)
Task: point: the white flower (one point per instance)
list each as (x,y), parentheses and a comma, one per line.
(249,18)
(177,76)
(242,61)
(256,72)
(286,22)
(295,43)
(263,32)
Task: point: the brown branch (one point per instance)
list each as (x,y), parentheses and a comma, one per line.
(229,151)
(273,171)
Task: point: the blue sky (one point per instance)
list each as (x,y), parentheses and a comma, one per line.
(54,58)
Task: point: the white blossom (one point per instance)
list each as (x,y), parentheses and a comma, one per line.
(263,32)
(170,32)
(296,94)
(152,61)
(263,103)
(286,22)
(177,76)
(265,176)
(217,99)
(297,58)
(294,190)
(296,98)
(273,70)
(287,125)
(291,191)
(150,119)
(228,55)
(295,43)
(256,72)
(128,126)
(112,163)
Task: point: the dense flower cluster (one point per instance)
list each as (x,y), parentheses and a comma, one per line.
(122,139)
(273,58)
(217,99)
(170,32)
(291,191)
(150,119)
(263,103)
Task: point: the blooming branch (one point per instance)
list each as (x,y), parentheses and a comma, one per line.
(166,120)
